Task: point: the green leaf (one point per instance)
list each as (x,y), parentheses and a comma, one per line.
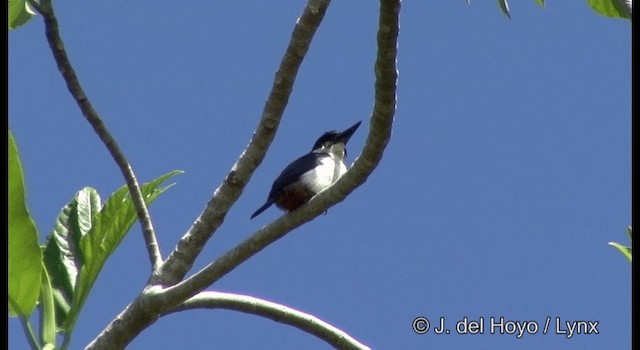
(62,256)
(540,2)
(504,6)
(109,227)
(25,256)
(626,251)
(19,13)
(610,8)
(47,312)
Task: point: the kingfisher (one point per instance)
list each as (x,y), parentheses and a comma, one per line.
(311,173)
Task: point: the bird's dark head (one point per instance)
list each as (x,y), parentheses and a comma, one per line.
(335,141)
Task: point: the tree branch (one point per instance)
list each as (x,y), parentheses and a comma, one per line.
(73,84)
(183,256)
(277,312)
(156,300)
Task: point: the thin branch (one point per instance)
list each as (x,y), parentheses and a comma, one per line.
(73,84)
(274,311)
(183,256)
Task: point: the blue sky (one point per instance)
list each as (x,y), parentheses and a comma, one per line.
(508,171)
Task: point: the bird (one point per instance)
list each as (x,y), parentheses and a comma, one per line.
(313,172)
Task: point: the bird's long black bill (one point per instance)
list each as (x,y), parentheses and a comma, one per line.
(346,135)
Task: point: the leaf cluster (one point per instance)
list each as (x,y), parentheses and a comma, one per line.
(56,278)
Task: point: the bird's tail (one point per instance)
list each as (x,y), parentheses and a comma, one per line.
(262,208)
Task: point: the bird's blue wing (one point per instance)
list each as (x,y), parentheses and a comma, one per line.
(290,175)
(293,171)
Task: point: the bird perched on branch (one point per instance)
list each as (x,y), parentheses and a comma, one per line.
(311,173)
